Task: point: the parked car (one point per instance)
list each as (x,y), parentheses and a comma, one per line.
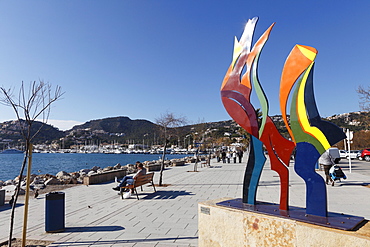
(352,154)
(365,155)
(358,154)
(343,154)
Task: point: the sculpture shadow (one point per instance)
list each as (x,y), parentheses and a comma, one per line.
(94,229)
(167,194)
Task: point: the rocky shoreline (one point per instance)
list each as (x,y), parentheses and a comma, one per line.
(41,182)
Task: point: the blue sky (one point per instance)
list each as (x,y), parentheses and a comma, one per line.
(143,58)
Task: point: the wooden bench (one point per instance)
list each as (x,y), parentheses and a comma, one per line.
(139,181)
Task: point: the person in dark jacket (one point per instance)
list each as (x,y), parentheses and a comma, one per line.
(240,155)
(131,179)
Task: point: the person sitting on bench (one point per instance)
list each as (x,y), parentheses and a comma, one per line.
(130,179)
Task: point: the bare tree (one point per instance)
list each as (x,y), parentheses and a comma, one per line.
(364,98)
(167,121)
(30,104)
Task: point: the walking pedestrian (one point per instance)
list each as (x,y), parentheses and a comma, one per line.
(240,155)
(223,156)
(234,156)
(327,161)
(228,156)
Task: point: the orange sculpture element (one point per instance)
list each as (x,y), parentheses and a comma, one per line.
(294,67)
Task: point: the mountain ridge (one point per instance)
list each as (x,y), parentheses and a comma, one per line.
(122,129)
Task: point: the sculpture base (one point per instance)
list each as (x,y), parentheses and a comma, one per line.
(230,226)
(333,220)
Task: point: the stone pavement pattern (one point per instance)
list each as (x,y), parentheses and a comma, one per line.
(97,216)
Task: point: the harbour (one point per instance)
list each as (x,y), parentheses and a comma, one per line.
(52,163)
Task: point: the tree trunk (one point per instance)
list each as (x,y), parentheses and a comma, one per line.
(162,165)
(15,197)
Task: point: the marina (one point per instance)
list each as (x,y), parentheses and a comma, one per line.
(52,163)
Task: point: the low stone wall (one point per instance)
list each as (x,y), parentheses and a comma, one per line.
(153,167)
(104,177)
(221,226)
(178,162)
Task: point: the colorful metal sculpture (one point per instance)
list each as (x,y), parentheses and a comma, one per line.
(235,91)
(311,136)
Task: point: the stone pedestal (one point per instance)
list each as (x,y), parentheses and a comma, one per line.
(224,227)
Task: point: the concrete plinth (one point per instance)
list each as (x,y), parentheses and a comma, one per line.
(224,227)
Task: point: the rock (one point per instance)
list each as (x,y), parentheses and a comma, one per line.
(1,183)
(108,168)
(118,166)
(146,163)
(45,177)
(130,168)
(52,181)
(39,185)
(64,177)
(38,180)
(66,181)
(95,168)
(73,181)
(85,171)
(16,179)
(75,175)
(9,182)
(91,173)
(62,174)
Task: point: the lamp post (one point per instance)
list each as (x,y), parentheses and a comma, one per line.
(188,143)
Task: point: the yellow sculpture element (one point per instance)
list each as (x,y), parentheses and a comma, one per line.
(301,111)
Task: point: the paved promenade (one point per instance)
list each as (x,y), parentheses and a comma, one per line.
(97,216)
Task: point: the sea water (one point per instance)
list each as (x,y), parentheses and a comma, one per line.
(52,163)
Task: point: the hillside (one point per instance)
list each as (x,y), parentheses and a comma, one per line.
(10,134)
(127,131)
(118,126)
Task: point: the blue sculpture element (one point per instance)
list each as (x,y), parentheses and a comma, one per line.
(256,161)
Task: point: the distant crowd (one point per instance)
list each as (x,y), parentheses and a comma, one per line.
(226,156)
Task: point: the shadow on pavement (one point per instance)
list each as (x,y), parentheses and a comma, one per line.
(7,206)
(352,184)
(94,229)
(109,242)
(167,194)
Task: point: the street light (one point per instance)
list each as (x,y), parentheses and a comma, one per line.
(188,142)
